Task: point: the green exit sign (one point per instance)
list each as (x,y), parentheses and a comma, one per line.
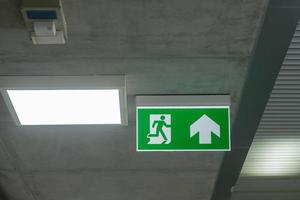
(183,128)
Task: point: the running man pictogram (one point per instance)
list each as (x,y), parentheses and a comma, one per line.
(159,126)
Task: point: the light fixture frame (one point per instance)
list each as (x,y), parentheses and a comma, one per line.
(100,82)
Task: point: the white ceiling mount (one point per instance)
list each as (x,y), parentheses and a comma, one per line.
(66,100)
(44,28)
(58,38)
(183,100)
(45,21)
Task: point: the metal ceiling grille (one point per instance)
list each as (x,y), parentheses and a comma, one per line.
(275,150)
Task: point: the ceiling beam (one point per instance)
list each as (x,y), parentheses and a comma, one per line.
(271,46)
(3,195)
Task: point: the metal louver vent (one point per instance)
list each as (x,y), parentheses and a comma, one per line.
(275,150)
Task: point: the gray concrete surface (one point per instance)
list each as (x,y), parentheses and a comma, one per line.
(163,47)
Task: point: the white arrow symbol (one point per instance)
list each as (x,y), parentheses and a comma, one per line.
(204,126)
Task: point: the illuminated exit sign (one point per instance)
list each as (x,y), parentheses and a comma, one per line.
(183,128)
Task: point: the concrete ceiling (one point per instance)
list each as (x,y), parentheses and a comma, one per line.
(163,47)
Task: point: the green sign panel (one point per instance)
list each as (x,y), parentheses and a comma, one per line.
(183,128)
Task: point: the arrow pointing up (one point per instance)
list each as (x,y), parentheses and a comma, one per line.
(205,127)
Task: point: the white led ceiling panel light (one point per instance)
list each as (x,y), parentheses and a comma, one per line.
(65,100)
(277,156)
(40,107)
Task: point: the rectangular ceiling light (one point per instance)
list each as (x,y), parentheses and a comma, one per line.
(276,156)
(58,101)
(39,107)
